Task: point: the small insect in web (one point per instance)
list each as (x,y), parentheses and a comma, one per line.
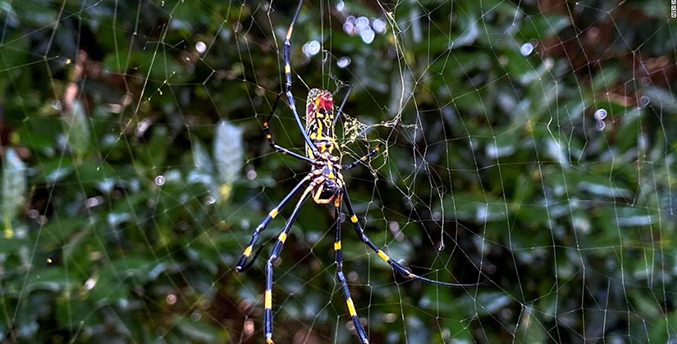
(325,186)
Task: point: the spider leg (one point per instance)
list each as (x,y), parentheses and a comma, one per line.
(338,257)
(287,85)
(262,226)
(397,267)
(277,248)
(360,160)
(340,109)
(269,136)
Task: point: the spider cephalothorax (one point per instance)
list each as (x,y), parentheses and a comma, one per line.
(325,185)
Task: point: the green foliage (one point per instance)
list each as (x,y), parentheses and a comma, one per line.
(13,189)
(134,170)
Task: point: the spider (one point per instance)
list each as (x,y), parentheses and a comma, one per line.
(325,186)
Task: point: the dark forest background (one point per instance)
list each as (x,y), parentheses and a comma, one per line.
(534,151)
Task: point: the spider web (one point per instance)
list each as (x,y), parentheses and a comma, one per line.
(527,146)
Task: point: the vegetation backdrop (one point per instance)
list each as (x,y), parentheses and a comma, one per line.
(527,145)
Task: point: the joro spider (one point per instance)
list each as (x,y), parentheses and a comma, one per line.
(326,187)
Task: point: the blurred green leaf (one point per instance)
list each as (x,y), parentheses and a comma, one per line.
(541,26)
(204,170)
(13,189)
(76,128)
(474,208)
(200,331)
(228,154)
(53,279)
(662,98)
(470,32)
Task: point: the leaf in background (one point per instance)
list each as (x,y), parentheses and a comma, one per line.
(484,303)
(201,159)
(157,147)
(204,170)
(557,151)
(200,331)
(417,330)
(662,98)
(13,188)
(629,216)
(541,26)
(229,155)
(473,208)
(54,279)
(76,127)
(531,329)
(470,32)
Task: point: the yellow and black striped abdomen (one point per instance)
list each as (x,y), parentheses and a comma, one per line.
(320,120)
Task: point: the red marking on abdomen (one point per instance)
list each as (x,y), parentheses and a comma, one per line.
(328,104)
(310,114)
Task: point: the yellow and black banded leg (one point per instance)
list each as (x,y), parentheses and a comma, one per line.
(338,257)
(397,267)
(269,136)
(360,160)
(262,226)
(277,248)
(286,52)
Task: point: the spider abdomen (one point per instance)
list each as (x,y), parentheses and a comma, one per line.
(320,120)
